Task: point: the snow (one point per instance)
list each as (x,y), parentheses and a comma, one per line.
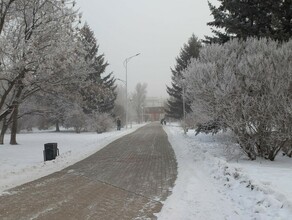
(215,180)
(23,163)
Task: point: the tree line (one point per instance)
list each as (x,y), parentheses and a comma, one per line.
(240,78)
(51,69)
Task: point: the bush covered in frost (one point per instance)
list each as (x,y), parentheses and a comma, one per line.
(101,122)
(248,85)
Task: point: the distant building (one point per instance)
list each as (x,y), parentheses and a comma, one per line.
(153,109)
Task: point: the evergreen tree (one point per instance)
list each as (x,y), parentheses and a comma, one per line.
(107,104)
(175,102)
(246,18)
(99,92)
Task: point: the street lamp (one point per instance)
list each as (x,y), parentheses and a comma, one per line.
(126,67)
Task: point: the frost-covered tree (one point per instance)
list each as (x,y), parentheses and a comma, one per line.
(38,53)
(55,107)
(247,86)
(102,122)
(75,118)
(6,11)
(119,110)
(138,100)
(174,107)
(108,103)
(251,18)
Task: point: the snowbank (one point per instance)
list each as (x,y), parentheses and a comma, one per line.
(216,182)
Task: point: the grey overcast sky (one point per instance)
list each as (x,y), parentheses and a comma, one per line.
(155,28)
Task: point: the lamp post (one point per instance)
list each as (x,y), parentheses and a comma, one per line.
(126,67)
(124,82)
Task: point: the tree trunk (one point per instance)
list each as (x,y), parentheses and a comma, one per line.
(15,105)
(3,130)
(14,126)
(57,126)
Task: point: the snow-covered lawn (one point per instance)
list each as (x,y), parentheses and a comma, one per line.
(215,181)
(25,162)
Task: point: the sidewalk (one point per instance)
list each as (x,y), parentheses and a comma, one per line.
(128,179)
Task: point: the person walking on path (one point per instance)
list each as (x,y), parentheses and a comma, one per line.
(119,124)
(128,179)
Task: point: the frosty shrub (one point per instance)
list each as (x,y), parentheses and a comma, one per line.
(189,122)
(248,85)
(75,118)
(212,126)
(101,122)
(231,151)
(287,148)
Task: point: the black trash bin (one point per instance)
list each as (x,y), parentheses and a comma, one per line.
(51,151)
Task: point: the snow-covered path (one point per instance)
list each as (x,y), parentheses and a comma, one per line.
(125,180)
(214,180)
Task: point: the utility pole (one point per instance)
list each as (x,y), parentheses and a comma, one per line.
(126,66)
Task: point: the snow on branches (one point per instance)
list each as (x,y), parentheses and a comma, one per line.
(40,52)
(246,85)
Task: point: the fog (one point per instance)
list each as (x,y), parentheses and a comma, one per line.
(157,29)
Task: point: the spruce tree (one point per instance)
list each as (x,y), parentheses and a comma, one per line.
(175,102)
(99,92)
(107,104)
(247,18)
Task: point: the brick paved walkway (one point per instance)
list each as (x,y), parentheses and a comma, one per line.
(125,180)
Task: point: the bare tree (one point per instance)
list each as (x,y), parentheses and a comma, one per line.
(120,104)
(5,11)
(39,51)
(138,100)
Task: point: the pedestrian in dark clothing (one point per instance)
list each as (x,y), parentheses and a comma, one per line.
(118,124)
